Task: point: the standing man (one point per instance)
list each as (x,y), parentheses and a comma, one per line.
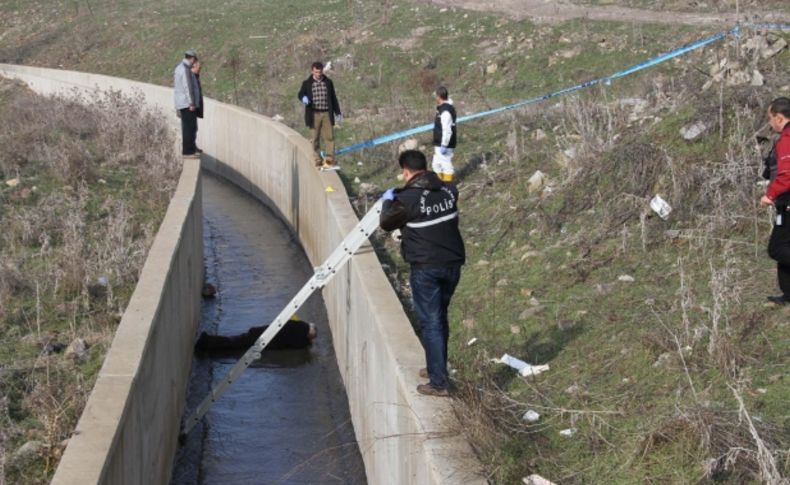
(444,135)
(186,93)
(426,212)
(196,71)
(320,108)
(778,193)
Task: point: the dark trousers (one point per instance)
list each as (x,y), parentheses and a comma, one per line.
(188,131)
(779,250)
(432,289)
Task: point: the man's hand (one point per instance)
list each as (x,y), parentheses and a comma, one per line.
(765,201)
(191,107)
(389,194)
(339,117)
(305,100)
(444,150)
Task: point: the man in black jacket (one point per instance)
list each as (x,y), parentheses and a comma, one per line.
(320,108)
(295,334)
(426,212)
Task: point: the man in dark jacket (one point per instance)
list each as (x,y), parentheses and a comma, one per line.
(295,334)
(426,212)
(320,108)
(778,194)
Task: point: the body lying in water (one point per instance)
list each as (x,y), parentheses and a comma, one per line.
(296,334)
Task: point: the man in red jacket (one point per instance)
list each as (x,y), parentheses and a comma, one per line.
(778,193)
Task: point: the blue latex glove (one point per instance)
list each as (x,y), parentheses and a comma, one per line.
(444,150)
(389,194)
(305,100)
(339,117)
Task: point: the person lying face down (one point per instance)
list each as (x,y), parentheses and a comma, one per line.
(295,334)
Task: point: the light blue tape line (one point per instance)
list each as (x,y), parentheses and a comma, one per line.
(607,80)
(766,26)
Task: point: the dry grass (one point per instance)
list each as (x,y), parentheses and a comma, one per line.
(94,177)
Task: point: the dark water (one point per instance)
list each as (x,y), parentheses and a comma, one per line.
(286,420)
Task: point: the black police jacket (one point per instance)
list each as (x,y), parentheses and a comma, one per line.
(426,212)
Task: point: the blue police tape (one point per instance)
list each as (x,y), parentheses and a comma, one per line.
(606,80)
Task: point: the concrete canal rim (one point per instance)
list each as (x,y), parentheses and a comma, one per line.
(404,438)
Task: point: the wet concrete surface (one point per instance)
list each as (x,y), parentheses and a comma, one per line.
(286,420)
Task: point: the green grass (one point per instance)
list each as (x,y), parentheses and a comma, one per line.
(595,332)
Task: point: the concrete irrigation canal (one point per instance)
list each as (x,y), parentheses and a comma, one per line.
(287,419)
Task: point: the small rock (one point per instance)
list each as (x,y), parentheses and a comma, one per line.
(539,135)
(536,182)
(408,144)
(501,283)
(483,262)
(693,131)
(570,53)
(573,389)
(738,78)
(625,278)
(492,68)
(27,453)
(530,312)
(535,479)
(278,118)
(12,182)
(663,359)
(515,329)
(774,49)
(603,288)
(762,390)
(531,416)
(77,349)
(533,301)
(568,432)
(366,188)
(356,180)
(757,78)
(526,292)
(103,281)
(530,254)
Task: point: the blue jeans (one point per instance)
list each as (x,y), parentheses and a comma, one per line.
(432,289)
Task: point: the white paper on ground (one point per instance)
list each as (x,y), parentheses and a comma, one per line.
(660,207)
(522,367)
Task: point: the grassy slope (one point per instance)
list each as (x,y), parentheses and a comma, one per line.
(62,231)
(636,422)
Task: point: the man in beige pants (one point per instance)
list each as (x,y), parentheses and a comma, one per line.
(320,109)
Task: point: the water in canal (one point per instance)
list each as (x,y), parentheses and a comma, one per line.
(286,420)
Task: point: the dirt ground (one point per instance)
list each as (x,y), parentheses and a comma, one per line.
(560,10)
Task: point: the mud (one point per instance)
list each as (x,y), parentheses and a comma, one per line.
(286,420)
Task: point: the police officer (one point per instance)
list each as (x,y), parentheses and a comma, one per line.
(444,135)
(426,212)
(777,170)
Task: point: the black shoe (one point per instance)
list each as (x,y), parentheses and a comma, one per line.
(202,341)
(198,151)
(779,300)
